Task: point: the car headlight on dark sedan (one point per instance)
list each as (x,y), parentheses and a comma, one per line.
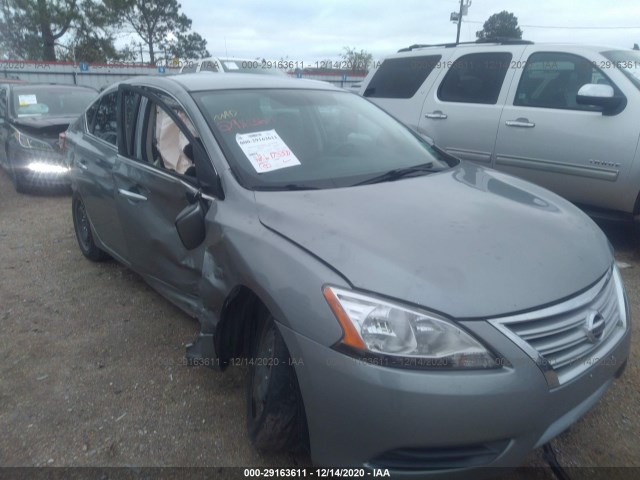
(403,336)
(29,142)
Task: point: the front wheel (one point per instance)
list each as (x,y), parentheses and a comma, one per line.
(275,413)
(84,234)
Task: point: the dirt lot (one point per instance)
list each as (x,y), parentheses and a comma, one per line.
(91,367)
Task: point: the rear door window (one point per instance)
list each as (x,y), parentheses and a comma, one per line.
(475,78)
(401,77)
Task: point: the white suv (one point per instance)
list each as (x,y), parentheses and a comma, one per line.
(563,116)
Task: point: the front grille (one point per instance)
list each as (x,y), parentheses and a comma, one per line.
(568,338)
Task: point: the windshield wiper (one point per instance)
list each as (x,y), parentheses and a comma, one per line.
(288,187)
(398,173)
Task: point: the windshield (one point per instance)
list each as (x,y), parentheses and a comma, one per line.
(286,139)
(627,61)
(258,67)
(51,101)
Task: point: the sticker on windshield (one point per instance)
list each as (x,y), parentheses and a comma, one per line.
(266,151)
(231,65)
(26,100)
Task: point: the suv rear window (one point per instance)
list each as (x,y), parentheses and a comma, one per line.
(475,78)
(401,77)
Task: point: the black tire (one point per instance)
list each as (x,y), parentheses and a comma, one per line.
(84,233)
(276,420)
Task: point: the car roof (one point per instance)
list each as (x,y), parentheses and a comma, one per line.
(194,82)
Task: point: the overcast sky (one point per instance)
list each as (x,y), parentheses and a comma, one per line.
(310,30)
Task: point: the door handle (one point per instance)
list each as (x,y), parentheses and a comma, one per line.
(83,164)
(132,195)
(520,122)
(438,115)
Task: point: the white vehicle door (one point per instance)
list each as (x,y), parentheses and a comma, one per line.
(575,150)
(462,111)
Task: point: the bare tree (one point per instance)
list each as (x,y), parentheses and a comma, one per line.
(357,61)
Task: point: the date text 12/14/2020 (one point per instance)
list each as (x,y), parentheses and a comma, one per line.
(316,472)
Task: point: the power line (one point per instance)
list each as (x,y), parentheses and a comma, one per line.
(567,28)
(582,28)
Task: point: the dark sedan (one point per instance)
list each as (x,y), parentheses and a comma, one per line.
(32,116)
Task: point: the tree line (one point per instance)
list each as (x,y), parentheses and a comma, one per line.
(86,30)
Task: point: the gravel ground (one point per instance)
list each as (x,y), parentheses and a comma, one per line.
(92,374)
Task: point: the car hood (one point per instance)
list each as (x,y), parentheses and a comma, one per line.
(47,126)
(467,242)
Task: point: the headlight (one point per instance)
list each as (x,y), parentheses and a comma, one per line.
(43,167)
(621,296)
(404,336)
(26,141)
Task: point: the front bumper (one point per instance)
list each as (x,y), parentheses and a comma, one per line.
(439,422)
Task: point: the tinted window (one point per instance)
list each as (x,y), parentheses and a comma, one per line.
(48,100)
(401,77)
(192,67)
(105,124)
(280,139)
(552,80)
(475,78)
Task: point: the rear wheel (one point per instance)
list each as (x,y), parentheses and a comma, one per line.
(275,413)
(84,234)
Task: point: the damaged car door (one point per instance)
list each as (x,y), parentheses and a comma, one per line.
(158,196)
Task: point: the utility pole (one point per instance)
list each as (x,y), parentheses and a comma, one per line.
(459,21)
(456,17)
